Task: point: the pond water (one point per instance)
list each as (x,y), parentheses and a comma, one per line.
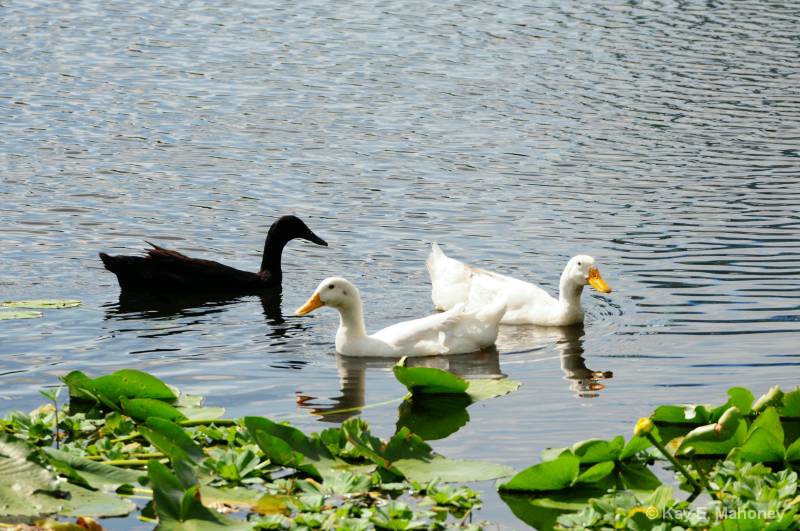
(660,137)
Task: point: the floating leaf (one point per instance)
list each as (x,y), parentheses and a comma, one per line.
(597,450)
(450,470)
(131,383)
(171,439)
(20,315)
(290,447)
(596,472)
(28,489)
(140,409)
(41,304)
(421,381)
(681,414)
(429,380)
(182,509)
(546,476)
(486,388)
(98,475)
(741,399)
(791,404)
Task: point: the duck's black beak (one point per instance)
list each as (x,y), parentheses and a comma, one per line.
(314,238)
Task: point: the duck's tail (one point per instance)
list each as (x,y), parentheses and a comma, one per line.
(436,255)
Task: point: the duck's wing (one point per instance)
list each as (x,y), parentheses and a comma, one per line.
(455,282)
(422,337)
(165,269)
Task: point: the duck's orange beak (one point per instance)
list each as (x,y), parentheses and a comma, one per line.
(595,280)
(311,304)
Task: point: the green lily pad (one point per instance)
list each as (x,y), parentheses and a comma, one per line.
(450,470)
(41,304)
(128,383)
(422,381)
(20,315)
(552,475)
(97,475)
(28,489)
(140,409)
(597,450)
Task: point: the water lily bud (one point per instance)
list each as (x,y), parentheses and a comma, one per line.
(643,426)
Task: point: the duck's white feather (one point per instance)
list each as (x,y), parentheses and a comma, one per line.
(454,282)
(456,331)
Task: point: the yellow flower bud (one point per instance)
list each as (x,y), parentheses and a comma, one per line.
(643,427)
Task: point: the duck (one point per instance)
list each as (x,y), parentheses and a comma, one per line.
(455,331)
(164,270)
(455,283)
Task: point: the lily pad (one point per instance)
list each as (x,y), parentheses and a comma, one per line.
(546,476)
(97,475)
(28,489)
(141,409)
(451,470)
(424,381)
(128,383)
(41,304)
(21,314)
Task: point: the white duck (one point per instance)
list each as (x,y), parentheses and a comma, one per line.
(457,283)
(451,332)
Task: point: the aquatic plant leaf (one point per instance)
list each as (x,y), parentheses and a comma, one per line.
(97,475)
(727,427)
(793,452)
(202,412)
(681,414)
(28,489)
(546,476)
(542,512)
(20,315)
(171,440)
(78,384)
(635,445)
(761,446)
(287,446)
(429,380)
(636,476)
(140,409)
(485,388)
(791,404)
(182,509)
(709,444)
(131,383)
(596,472)
(597,450)
(422,381)
(41,304)
(450,470)
(741,398)
(770,421)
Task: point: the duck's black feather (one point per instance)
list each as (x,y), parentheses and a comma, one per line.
(167,270)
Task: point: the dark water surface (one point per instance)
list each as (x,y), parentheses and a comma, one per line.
(661,137)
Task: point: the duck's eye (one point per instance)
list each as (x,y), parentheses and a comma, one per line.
(330,286)
(579,264)
(344,293)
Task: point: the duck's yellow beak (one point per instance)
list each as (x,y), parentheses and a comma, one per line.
(311,304)
(595,280)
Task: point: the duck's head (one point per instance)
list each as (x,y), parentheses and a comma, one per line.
(287,228)
(335,292)
(581,270)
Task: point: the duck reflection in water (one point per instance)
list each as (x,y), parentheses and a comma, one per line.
(353,378)
(136,305)
(568,340)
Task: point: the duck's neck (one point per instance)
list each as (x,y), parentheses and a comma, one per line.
(569,292)
(351,323)
(271,259)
